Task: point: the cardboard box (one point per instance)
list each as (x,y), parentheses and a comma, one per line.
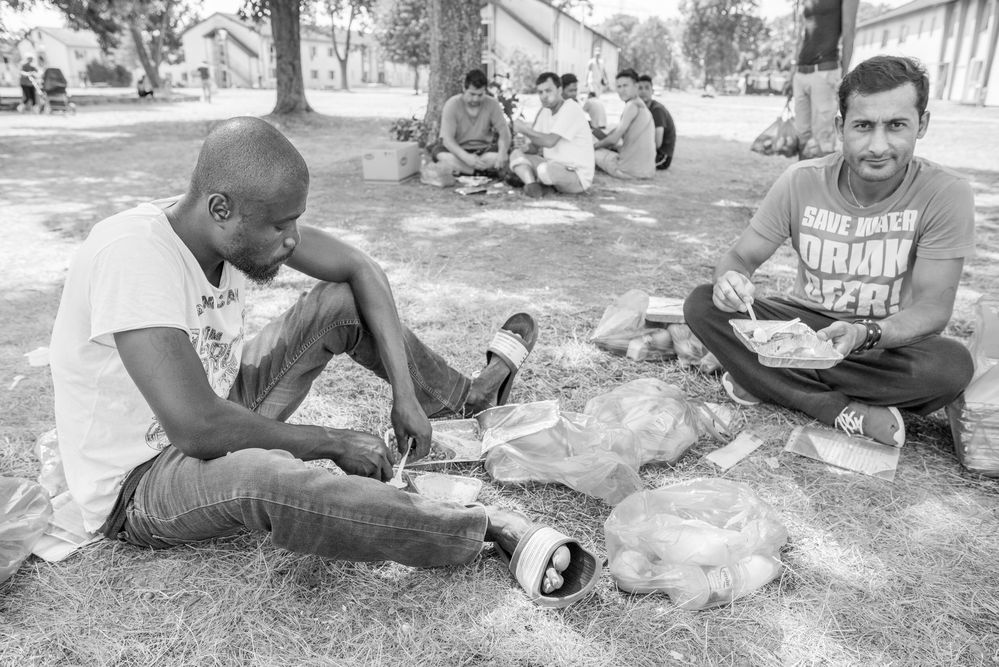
(392,164)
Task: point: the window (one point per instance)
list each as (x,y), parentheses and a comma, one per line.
(987,23)
(903,32)
(312,52)
(80,55)
(332,75)
(314,74)
(885,36)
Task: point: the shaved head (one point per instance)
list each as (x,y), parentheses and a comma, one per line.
(250,162)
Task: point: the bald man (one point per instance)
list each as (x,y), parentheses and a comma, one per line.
(172,423)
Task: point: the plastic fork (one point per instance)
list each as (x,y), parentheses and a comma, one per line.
(397,480)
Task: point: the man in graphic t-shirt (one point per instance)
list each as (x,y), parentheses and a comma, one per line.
(881,239)
(557,149)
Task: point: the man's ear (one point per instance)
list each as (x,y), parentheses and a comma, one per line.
(924,124)
(839,127)
(219,207)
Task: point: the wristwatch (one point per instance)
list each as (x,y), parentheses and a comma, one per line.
(873,335)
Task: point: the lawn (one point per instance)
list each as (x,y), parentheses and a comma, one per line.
(878,573)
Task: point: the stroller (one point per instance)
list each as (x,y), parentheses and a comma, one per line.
(52,95)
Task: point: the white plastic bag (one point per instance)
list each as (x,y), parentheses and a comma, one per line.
(704,542)
(663,420)
(25,512)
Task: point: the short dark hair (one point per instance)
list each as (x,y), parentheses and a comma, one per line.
(883,73)
(568,79)
(627,73)
(645,78)
(475,79)
(548,76)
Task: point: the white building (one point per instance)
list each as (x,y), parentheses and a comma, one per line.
(69,50)
(241,54)
(549,36)
(955,40)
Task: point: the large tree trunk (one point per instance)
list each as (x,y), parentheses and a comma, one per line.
(344,83)
(151,70)
(455,48)
(285,24)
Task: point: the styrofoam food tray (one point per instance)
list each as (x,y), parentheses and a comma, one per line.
(797,346)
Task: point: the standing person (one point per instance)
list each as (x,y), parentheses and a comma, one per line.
(28,74)
(205,72)
(663,121)
(557,149)
(881,238)
(635,156)
(822,62)
(596,74)
(172,421)
(474,134)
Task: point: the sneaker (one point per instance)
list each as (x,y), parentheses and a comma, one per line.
(880,424)
(737,393)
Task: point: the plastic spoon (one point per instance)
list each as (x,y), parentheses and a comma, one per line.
(397,480)
(761,335)
(752,315)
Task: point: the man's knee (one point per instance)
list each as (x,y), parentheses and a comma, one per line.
(698,304)
(950,367)
(256,472)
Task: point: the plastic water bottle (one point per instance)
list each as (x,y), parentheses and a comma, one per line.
(713,586)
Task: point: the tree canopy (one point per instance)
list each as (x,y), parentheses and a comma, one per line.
(718,32)
(404,34)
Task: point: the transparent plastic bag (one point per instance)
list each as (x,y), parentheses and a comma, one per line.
(622,330)
(25,512)
(780,138)
(664,422)
(52,477)
(704,542)
(974,416)
(589,456)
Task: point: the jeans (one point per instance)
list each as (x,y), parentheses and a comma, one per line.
(920,377)
(816,103)
(308,509)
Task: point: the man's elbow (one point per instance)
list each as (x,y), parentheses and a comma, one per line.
(199,437)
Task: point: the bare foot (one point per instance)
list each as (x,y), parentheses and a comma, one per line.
(485,388)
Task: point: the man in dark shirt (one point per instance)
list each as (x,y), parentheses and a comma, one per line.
(665,129)
(28,72)
(821,66)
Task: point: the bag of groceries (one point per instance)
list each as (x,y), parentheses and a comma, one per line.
(780,138)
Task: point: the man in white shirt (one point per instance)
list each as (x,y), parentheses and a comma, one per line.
(557,149)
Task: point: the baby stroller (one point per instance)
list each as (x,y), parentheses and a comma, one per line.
(52,95)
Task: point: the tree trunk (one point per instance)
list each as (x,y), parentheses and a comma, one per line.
(416,79)
(147,65)
(285,24)
(344,83)
(455,49)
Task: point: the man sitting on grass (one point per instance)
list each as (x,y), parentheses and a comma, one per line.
(474,135)
(171,421)
(665,137)
(629,150)
(881,238)
(562,134)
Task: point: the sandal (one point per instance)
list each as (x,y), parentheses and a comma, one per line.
(532,558)
(512,344)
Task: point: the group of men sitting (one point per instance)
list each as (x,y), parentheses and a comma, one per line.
(565,143)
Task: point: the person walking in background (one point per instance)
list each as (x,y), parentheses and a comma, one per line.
(206,81)
(665,129)
(28,72)
(596,74)
(822,63)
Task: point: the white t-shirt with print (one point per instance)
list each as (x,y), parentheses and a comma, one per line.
(575,149)
(132,272)
(856,262)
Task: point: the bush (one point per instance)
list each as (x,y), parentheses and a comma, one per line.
(409,129)
(118,76)
(523,71)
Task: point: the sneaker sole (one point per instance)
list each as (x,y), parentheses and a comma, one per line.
(729,386)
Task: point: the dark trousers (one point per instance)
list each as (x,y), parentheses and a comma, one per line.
(921,377)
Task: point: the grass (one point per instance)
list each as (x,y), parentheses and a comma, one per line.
(902,573)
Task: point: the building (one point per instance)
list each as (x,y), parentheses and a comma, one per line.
(955,40)
(241,55)
(69,50)
(551,38)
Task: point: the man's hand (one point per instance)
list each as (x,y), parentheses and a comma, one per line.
(845,336)
(361,454)
(732,291)
(521,142)
(480,163)
(500,161)
(410,421)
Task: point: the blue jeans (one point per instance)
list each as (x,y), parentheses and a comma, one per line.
(308,509)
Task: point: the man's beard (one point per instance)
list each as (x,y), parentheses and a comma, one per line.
(261,274)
